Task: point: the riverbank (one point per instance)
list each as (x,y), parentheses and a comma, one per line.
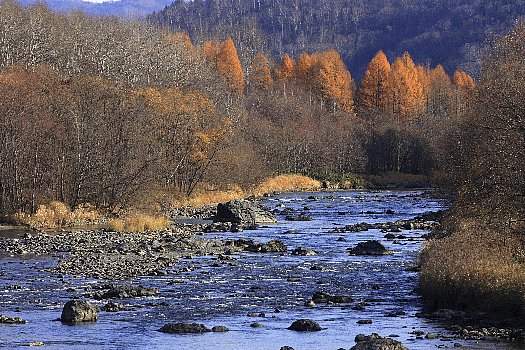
(472,277)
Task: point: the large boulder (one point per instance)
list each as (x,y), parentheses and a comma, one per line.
(243,212)
(77,311)
(370,248)
(305,325)
(375,342)
(184,328)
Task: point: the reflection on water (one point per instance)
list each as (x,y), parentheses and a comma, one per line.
(275,286)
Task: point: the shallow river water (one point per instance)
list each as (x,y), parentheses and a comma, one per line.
(257,283)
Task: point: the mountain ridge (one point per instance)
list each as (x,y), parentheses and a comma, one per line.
(119,8)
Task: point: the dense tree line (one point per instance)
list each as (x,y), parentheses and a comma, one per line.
(102,111)
(451,33)
(485,150)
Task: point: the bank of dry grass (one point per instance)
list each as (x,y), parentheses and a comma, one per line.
(134,223)
(287,183)
(282,183)
(212,196)
(475,269)
(57,214)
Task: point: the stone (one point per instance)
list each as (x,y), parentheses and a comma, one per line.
(305,325)
(273,246)
(302,251)
(370,248)
(375,342)
(123,292)
(243,212)
(77,311)
(113,307)
(364,322)
(220,329)
(256,325)
(11,320)
(299,217)
(184,328)
(321,297)
(36,343)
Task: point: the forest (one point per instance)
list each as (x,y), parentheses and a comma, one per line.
(104,111)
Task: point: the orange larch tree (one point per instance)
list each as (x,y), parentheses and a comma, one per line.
(375,85)
(285,69)
(229,66)
(210,50)
(260,77)
(407,90)
(302,68)
(334,82)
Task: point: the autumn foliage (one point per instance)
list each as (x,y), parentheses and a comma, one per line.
(374,90)
(123,110)
(260,75)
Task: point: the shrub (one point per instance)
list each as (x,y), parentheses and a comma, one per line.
(287,183)
(139,223)
(475,269)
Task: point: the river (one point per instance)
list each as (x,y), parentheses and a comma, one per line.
(272,288)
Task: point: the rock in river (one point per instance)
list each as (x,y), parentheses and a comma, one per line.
(220,329)
(302,251)
(11,320)
(243,212)
(320,297)
(76,311)
(375,342)
(273,246)
(114,307)
(300,217)
(305,325)
(122,292)
(369,248)
(184,328)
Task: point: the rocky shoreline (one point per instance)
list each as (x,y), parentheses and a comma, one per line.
(112,255)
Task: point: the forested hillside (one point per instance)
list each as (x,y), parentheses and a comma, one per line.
(451,33)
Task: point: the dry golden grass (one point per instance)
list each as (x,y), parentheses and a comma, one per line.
(215,196)
(287,183)
(57,214)
(475,269)
(135,223)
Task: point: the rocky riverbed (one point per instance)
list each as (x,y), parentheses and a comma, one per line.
(253,282)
